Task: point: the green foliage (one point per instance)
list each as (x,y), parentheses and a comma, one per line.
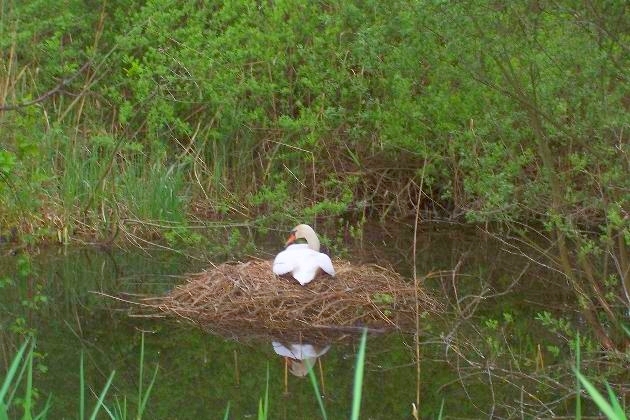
(7,162)
(155,193)
(148,117)
(19,284)
(385,301)
(315,79)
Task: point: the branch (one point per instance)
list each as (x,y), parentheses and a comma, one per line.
(43,97)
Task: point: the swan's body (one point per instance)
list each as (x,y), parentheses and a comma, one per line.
(303,261)
(302,357)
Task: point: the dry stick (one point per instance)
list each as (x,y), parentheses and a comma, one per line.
(312,166)
(415,285)
(321,375)
(48,94)
(7,81)
(237,375)
(286,376)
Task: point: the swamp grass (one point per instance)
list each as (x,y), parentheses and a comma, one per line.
(610,407)
(17,393)
(19,377)
(120,123)
(21,370)
(344,123)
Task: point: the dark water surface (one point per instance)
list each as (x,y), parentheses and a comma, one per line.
(479,358)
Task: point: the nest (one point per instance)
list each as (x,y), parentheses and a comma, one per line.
(249,297)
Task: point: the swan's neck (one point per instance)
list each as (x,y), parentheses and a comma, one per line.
(312,240)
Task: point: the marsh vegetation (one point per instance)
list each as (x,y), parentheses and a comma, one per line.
(206,127)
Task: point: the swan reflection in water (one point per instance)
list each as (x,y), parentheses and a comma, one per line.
(299,358)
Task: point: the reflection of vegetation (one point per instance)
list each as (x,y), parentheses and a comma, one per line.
(20,376)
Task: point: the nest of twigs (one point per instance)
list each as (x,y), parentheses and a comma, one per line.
(248,296)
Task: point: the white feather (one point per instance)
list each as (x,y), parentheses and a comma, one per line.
(302,262)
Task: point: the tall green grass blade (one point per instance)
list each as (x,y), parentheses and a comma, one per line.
(614,402)
(263,404)
(44,414)
(609,410)
(18,379)
(81,388)
(112,414)
(14,377)
(441,414)
(145,397)
(578,389)
(101,398)
(8,379)
(141,376)
(120,409)
(226,416)
(261,410)
(23,361)
(318,394)
(358,378)
(27,403)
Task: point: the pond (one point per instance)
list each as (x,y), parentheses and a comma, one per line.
(486,356)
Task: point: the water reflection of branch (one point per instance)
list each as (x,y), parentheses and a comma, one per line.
(472,362)
(466,312)
(484,294)
(515,250)
(514,378)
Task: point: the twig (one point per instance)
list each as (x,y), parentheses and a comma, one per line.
(44,96)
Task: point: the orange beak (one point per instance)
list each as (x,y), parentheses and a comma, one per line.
(290,239)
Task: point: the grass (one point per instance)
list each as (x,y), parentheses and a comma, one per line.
(19,376)
(357,387)
(263,403)
(18,392)
(358,379)
(21,365)
(610,408)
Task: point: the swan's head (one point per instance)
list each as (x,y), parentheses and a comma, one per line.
(304,232)
(300,368)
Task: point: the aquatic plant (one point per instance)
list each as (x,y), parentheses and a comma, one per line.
(19,378)
(610,408)
(20,369)
(357,383)
(120,123)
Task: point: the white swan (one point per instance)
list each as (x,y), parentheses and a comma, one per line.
(302,260)
(302,357)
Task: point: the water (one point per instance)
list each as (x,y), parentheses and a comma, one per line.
(480,357)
